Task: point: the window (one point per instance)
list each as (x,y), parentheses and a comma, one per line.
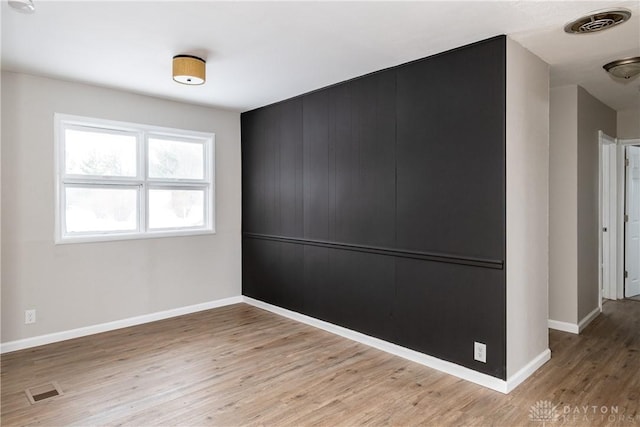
(127,181)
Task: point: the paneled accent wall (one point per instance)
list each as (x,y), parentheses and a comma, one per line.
(378,204)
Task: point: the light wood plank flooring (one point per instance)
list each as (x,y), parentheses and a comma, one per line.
(239,365)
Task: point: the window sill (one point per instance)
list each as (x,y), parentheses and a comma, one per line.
(131,236)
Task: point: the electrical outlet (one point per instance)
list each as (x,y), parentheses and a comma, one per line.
(29,316)
(480,352)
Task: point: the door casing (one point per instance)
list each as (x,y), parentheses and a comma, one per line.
(621,146)
(632,251)
(617,198)
(608,217)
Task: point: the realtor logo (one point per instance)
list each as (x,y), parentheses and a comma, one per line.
(543,411)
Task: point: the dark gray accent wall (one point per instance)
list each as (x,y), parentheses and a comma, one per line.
(378,204)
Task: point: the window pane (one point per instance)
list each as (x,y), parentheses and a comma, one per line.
(176,159)
(101,209)
(176,208)
(99,153)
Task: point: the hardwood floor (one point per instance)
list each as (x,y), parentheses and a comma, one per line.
(239,365)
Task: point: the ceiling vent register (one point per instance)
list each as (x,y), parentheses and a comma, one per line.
(598,21)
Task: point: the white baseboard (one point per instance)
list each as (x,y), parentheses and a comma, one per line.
(415,356)
(563,326)
(117,324)
(516,379)
(588,319)
(573,327)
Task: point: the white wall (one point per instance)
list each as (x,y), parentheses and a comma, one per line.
(1,197)
(628,124)
(593,116)
(527,157)
(576,117)
(77,285)
(563,204)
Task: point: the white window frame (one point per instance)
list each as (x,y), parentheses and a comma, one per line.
(142,181)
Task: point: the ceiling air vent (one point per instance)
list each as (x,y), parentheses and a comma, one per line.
(598,21)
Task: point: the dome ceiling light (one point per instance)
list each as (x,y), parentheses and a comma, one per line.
(624,68)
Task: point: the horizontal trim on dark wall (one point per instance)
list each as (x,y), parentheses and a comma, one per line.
(426,256)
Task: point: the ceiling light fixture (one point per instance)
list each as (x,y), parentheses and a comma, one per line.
(624,68)
(188,69)
(598,21)
(23,6)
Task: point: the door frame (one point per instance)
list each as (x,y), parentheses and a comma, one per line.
(622,144)
(607,178)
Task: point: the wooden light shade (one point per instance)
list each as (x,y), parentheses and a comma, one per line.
(188,69)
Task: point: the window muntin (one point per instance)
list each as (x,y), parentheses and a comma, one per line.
(120,180)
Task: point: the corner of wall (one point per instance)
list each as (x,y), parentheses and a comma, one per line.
(628,123)
(593,116)
(527,210)
(2,73)
(563,205)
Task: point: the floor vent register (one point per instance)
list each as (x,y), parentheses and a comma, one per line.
(43,392)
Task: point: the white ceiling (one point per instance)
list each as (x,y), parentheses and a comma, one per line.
(262,52)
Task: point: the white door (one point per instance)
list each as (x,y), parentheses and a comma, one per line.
(608,216)
(632,224)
